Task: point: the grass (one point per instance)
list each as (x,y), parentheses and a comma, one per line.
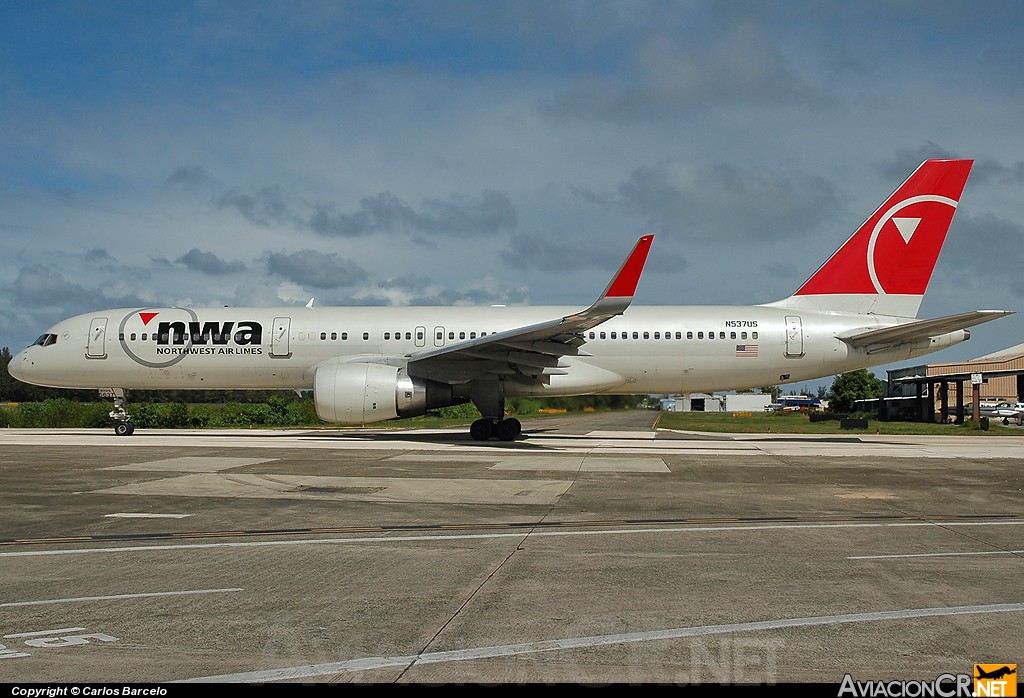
(800,423)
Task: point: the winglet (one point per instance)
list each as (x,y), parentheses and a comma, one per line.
(619,293)
(625,282)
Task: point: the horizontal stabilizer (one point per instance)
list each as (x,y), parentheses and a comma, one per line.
(921,329)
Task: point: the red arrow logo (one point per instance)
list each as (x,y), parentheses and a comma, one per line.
(146,317)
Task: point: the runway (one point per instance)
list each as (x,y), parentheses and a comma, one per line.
(594,549)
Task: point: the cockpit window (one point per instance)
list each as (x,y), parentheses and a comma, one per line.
(45,340)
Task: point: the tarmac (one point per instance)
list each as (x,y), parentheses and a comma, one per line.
(594,550)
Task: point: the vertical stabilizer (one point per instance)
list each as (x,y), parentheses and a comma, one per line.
(884,268)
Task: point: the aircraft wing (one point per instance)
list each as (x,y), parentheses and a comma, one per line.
(920,329)
(534,350)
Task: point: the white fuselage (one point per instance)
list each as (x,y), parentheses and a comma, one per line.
(654,349)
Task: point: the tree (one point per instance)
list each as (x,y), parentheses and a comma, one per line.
(850,387)
(7,382)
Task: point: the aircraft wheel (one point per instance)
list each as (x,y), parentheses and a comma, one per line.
(124,428)
(509,429)
(482,429)
(1020,421)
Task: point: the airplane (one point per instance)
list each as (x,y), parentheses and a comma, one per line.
(367,365)
(1006,410)
(995,674)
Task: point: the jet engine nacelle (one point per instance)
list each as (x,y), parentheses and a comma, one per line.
(360,393)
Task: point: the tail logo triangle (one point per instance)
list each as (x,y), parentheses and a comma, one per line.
(907,226)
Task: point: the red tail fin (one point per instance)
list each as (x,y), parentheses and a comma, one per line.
(895,250)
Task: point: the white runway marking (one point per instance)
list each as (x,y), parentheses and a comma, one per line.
(453,441)
(580,463)
(130,515)
(363,489)
(366,663)
(191,464)
(116,597)
(39,633)
(915,555)
(386,539)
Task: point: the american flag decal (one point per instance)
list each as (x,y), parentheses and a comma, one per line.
(746,350)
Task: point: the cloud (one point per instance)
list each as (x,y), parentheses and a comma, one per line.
(984,170)
(97,255)
(983,246)
(460,216)
(724,202)
(669,76)
(548,254)
(315,269)
(38,285)
(188,176)
(266,208)
(419,290)
(209,263)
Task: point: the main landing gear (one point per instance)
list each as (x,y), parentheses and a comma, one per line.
(489,397)
(504,429)
(119,414)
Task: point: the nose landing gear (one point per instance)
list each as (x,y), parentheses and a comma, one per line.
(119,414)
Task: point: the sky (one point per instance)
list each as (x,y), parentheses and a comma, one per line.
(461,152)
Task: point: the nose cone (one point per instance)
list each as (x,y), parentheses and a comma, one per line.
(16,368)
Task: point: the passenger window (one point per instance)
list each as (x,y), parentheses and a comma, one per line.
(440,336)
(689,335)
(743,335)
(602,335)
(451,335)
(721,335)
(591,335)
(144,336)
(419,335)
(700,335)
(120,336)
(344,336)
(636,335)
(753,335)
(732,335)
(334,335)
(679,335)
(472,335)
(462,335)
(657,335)
(387,335)
(408,335)
(614,335)
(647,335)
(366,336)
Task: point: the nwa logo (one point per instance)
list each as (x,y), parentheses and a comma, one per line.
(196,333)
(161,338)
